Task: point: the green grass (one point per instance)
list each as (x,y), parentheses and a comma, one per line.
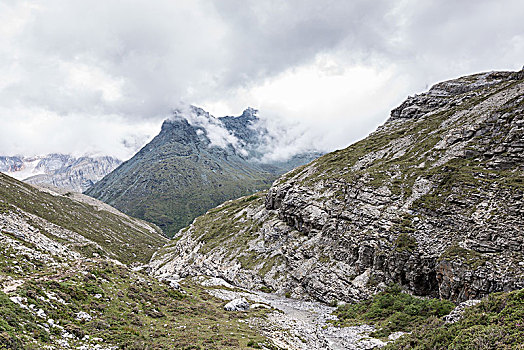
(129,310)
(225,223)
(14,322)
(497,323)
(4,208)
(392,311)
(16,265)
(120,238)
(405,242)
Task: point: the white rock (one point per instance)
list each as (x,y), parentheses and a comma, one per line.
(41,313)
(239,304)
(83,316)
(20,301)
(67,335)
(395,335)
(214,282)
(456,314)
(174,285)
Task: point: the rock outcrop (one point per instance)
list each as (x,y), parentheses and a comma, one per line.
(432,200)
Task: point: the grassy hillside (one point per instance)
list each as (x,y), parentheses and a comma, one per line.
(116,235)
(102,303)
(63,284)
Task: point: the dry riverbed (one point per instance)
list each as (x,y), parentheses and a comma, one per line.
(296,324)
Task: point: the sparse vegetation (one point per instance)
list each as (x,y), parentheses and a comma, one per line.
(61,298)
(226,223)
(405,242)
(125,308)
(468,256)
(4,208)
(118,238)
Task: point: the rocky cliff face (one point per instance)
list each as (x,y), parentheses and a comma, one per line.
(59,170)
(195,163)
(432,200)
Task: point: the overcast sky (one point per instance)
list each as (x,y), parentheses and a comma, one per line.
(100,76)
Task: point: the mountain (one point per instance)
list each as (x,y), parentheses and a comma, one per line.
(70,279)
(432,200)
(196,162)
(59,170)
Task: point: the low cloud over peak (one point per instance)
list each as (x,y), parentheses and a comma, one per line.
(96,76)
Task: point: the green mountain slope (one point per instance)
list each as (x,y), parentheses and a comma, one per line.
(181,173)
(81,223)
(433,201)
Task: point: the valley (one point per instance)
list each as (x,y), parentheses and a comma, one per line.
(424,202)
(193,244)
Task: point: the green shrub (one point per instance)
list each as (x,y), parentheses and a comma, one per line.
(496,323)
(405,242)
(392,311)
(470,257)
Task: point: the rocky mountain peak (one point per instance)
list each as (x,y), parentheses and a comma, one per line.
(62,171)
(196,162)
(179,130)
(250,113)
(451,93)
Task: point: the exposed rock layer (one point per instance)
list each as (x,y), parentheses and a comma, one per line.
(432,200)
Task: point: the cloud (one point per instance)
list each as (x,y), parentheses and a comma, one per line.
(214,129)
(136,60)
(329,71)
(31,131)
(317,124)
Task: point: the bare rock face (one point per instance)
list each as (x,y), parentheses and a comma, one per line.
(78,176)
(432,200)
(62,171)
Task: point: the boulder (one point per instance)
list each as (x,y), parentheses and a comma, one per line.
(239,304)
